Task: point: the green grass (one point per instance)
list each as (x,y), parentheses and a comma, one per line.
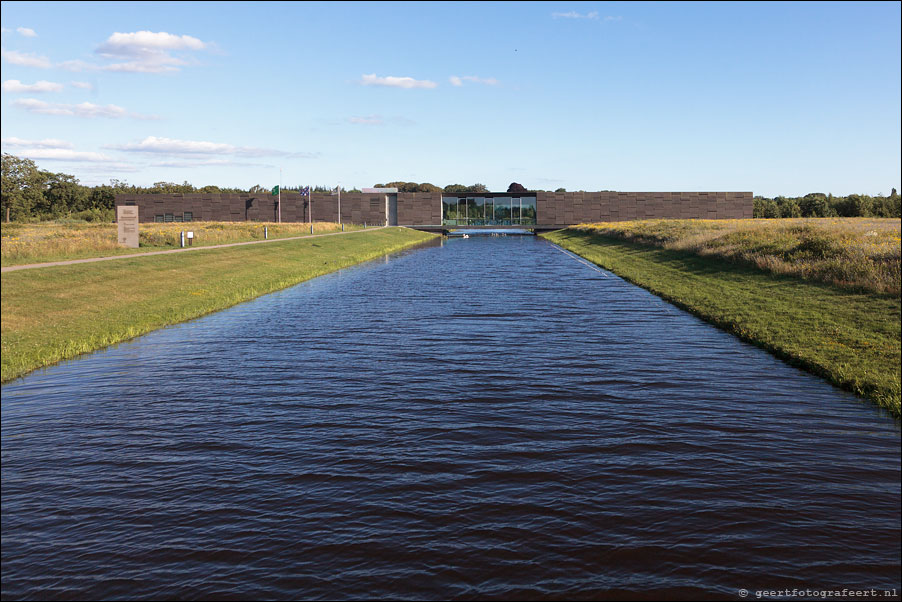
(860,253)
(41,242)
(54,313)
(851,338)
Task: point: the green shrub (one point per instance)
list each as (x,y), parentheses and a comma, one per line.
(789,207)
(95,215)
(765,208)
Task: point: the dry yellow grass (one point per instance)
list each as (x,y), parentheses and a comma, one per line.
(855,252)
(54,241)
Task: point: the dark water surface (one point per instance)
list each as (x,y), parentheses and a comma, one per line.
(490,418)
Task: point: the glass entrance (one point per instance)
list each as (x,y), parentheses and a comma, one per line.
(495,210)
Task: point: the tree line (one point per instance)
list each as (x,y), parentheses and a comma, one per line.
(818,204)
(30,193)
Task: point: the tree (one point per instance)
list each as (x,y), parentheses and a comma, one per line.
(63,195)
(477,188)
(815,205)
(854,205)
(455,188)
(403,186)
(766,208)
(427,187)
(788,207)
(561,190)
(172,188)
(103,197)
(21,187)
(515,187)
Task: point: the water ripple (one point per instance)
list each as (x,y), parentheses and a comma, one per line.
(485,419)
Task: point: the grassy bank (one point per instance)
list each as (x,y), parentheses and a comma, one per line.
(40,242)
(54,313)
(851,338)
(855,253)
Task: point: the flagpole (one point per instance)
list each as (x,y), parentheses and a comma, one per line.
(339,202)
(280,195)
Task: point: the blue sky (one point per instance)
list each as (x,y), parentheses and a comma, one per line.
(777,98)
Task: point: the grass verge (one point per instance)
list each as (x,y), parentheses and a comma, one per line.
(858,253)
(56,313)
(42,242)
(850,338)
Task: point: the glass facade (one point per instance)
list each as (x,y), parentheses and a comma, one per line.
(502,210)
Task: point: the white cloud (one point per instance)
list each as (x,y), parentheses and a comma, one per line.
(367,120)
(82,85)
(592,16)
(45,143)
(396,82)
(139,42)
(459,81)
(26,60)
(144,52)
(60,150)
(575,15)
(105,168)
(379,120)
(171,146)
(27,32)
(85,109)
(15,86)
(63,154)
(78,65)
(162,65)
(135,52)
(153,144)
(189,164)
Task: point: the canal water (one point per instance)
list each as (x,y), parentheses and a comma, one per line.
(485,418)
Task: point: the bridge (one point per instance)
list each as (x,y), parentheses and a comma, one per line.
(445,229)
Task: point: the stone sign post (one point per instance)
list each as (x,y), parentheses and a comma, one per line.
(127,220)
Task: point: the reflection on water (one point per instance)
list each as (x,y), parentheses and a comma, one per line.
(488,418)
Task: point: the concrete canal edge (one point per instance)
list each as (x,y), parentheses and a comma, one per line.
(834,334)
(57,313)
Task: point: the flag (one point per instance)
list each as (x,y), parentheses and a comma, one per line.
(334,192)
(275,190)
(305,191)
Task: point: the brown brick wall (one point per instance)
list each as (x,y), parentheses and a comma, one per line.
(421,209)
(356,208)
(580,207)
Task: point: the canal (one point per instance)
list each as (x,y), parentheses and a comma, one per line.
(482,418)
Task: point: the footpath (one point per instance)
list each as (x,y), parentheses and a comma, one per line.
(31,266)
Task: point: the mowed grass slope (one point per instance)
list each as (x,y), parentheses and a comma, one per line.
(849,337)
(55,313)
